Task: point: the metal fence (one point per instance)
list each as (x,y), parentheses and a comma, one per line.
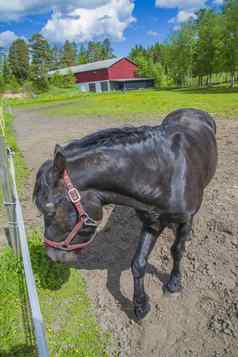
(16,235)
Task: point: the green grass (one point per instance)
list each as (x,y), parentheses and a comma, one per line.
(222,102)
(70,323)
(53,95)
(21,168)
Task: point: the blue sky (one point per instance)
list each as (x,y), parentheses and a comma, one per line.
(125,22)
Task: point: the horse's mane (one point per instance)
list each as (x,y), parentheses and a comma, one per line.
(106,138)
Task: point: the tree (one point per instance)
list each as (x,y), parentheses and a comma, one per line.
(41,54)
(181,54)
(2,83)
(18,59)
(6,71)
(98,51)
(69,54)
(158,74)
(137,52)
(55,58)
(83,56)
(206,54)
(40,50)
(107,51)
(41,60)
(230,37)
(2,57)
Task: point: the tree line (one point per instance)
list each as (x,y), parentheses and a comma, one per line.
(28,63)
(201,52)
(204,50)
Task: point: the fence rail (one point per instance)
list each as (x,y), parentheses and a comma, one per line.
(18,241)
(2,121)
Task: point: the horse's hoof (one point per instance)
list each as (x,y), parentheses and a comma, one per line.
(142,310)
(174,284)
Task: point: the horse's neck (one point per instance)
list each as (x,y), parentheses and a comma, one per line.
(112,169)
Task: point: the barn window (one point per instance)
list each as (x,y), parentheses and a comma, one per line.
(92,87)
(104,86)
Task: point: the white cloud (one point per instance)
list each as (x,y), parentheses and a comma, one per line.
(218,2)
(181,4)
(75,20)
(15,9)
(6,38)
(182,16)
(84,24)
(186,9)
(153,33)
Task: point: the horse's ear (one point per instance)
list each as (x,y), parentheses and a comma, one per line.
(59,164)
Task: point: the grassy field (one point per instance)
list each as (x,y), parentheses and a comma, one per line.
(70,322)
(222,102)
(21,169)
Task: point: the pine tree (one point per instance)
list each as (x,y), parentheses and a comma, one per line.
(18,59)
(82,57)
(98,51)
(40,50)
(41,60)
(107,51)
(69,54)
(6,71)
(55,58)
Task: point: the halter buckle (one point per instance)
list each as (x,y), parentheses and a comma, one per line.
(88,221)
(74,195)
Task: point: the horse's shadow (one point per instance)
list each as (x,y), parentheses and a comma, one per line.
(113,251)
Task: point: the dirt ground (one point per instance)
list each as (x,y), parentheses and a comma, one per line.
(202,321)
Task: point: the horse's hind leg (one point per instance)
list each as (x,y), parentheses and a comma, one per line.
(183,234)
(139,263)
(174,226)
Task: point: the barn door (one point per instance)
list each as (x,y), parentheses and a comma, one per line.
(92,87)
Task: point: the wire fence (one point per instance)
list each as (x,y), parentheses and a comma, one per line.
(16,236)
(2,122)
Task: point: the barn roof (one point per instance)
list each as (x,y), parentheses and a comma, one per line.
(87,67)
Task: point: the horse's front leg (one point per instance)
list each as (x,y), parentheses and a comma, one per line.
(139,263)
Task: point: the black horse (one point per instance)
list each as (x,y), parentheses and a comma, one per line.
(160,171)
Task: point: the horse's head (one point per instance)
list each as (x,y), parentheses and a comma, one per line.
(61,214)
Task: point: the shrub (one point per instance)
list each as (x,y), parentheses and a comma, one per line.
(2,84)
(69,80)
(27,88)
(60,81)
(40,84)
(13,85)
(56,80)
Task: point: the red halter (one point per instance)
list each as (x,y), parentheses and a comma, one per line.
(75,198)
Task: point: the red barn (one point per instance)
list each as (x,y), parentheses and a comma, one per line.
(104,76)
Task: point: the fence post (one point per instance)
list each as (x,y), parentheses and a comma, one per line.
(8,198)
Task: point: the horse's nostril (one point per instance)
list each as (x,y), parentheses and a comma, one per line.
(50,206)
